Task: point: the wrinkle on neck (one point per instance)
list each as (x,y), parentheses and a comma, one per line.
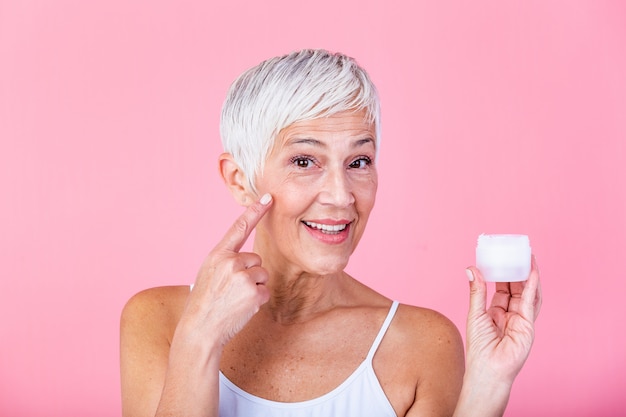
(301,298)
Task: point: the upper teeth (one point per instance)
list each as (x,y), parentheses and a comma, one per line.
(327,227)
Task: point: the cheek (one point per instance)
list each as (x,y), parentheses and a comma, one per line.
(365,192)
(290,202)
(291,191)
(365,204)
(277,183)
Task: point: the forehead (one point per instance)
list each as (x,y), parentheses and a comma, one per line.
(350,126)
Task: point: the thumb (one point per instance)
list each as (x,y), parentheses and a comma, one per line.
(478,293)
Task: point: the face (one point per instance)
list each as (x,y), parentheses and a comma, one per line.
(322,176)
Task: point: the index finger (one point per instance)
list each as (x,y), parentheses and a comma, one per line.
(238,233)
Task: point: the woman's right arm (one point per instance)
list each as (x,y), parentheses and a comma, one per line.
(146,328)
(179,375)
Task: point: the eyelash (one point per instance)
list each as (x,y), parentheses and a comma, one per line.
(300,158)
(367,159)
(297,159)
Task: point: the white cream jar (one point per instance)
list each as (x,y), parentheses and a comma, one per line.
(503,258)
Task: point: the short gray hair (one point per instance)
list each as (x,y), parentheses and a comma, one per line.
(280,91)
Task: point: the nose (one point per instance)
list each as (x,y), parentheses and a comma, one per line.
(337,189)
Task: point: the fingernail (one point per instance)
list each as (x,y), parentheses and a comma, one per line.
(267,197)
(470,274)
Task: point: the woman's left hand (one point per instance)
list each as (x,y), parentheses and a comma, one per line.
(499,338)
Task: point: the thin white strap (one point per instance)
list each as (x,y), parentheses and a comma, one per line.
(382,331)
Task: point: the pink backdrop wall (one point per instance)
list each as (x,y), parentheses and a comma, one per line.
(498,117)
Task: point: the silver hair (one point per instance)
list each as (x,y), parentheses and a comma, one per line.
(280,91)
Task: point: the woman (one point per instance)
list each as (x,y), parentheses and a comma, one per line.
(283,330)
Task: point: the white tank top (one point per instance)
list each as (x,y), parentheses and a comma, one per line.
(360,395)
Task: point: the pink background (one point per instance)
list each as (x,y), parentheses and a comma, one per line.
(497,117)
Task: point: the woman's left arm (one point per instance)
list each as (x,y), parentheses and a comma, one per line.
(499,339)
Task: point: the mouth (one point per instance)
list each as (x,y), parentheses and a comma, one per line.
(329,229)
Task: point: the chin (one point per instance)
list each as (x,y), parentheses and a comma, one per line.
(328,265)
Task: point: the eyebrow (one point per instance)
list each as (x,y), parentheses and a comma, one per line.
(320,144)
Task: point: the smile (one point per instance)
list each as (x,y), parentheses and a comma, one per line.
(332,229)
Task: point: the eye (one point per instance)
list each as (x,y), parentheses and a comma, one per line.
(361,162)
(303,161)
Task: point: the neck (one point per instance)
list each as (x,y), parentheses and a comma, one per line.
(298,293)
(299,297)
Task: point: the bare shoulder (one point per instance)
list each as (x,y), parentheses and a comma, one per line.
(421,362)
(155,310)
(414,326)
(147,326)
(158,298)
(424,338)
(424,325)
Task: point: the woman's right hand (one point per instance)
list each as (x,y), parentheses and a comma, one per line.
(229,290)
(230,286)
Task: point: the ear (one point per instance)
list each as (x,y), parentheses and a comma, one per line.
(235,180)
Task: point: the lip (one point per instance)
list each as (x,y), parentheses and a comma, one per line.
(329,238)
(330,222)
